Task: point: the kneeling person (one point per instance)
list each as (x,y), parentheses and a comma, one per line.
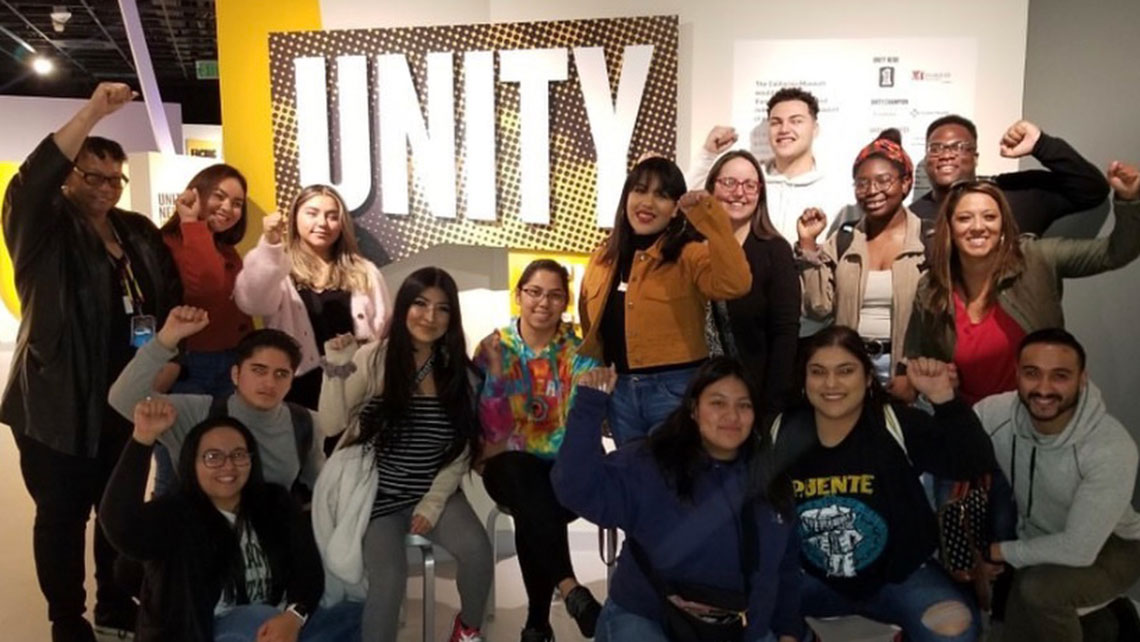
(1072,467)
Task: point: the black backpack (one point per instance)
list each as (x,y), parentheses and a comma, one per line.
(302,429)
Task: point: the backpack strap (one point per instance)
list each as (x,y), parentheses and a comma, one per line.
(895,429)
(219,407)
(843,238)
(302,430)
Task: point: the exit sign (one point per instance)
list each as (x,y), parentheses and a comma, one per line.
(206,69)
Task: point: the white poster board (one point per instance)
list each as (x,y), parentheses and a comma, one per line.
(863,86)
(157,180)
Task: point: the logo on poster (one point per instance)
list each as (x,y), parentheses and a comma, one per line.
(886,76)
(919,75)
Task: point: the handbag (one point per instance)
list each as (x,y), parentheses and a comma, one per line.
(721,616)
(962,528)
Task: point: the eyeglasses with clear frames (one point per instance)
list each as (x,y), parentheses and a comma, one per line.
(882,181)
(749,185)
(555,297)
(216,459)
(957,147)
(95,179)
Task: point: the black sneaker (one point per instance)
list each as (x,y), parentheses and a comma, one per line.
(1126,618)
(582,606)
(531,634)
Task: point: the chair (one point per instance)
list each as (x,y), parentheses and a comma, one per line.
(427,555)
(607,550)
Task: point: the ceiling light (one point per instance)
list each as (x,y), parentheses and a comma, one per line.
(59,17)
(42,66)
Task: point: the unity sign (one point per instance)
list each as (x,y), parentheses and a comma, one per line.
(511,135)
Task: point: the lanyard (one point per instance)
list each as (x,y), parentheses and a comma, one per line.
(133,297)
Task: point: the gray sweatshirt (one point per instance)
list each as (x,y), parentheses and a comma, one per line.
(1073,489)
(273,429)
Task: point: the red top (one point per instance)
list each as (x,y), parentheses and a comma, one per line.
(208,275)
(985,352)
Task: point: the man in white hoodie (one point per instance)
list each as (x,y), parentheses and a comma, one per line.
(1072,467)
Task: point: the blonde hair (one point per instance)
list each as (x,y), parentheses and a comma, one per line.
(349,270)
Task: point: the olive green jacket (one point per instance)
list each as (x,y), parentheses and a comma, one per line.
(1031,293)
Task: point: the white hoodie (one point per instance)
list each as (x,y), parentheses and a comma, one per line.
(1073,489)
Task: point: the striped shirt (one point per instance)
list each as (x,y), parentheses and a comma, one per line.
(405,473)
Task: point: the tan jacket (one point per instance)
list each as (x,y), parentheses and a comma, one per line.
(338,409)
(665,302)
(834,286)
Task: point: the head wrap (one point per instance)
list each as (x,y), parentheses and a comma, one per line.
(890,150)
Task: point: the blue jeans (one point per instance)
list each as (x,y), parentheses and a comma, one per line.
(616,624)
(641,402)
(203,373)
(334,624)
(902,604)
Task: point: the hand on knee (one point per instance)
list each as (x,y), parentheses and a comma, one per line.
(948,618)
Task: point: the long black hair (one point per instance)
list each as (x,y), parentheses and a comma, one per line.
(451,368)
(672,185)
(840,336)
(676,446)
(262,507)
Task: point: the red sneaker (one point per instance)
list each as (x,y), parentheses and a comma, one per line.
(460,632)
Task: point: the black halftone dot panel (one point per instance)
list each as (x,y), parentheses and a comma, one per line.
(573,171)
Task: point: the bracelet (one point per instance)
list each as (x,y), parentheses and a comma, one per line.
(297,609)
(337,371)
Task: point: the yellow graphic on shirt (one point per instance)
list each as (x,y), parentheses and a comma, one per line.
(834,485)
(7,275)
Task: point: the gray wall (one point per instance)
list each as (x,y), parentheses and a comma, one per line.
(1082,82)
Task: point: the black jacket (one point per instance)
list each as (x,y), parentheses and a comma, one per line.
(765,323)
(57,387)
(1039,197)
(181,586)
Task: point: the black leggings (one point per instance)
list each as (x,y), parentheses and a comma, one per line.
(520,482)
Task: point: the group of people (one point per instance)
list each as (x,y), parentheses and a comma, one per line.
(775,401)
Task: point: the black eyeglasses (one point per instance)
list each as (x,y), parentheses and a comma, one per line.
(958,147)
(95,179)
(216,459)
(555,297)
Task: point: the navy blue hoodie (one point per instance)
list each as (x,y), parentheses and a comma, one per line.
(687,541)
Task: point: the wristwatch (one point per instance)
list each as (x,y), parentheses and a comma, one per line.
(300,610)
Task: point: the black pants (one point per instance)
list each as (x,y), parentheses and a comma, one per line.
(520,482)
(65,489)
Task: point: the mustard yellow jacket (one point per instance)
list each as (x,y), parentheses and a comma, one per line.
(665,302)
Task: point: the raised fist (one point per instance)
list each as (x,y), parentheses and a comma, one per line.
(690,199)
(109,97)
(188,206)
(720,139)
(274,227)
(183,321)
(152,417)
(809,226)
(1125,180)
(1020,139)
(931,377)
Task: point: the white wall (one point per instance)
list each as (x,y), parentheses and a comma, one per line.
(26,120)
(709,28)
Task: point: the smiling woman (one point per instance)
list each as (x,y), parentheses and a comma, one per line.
(307,277)
(988,287)
(865,275)
(646,287)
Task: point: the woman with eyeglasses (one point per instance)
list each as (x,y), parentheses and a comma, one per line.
(407,405)
(988,286)
(645,291)
(227,557)
(762,327)
(530,367)
(865,276)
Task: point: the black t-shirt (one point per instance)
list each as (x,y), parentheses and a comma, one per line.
(864,519)
(330,312)
(612,328)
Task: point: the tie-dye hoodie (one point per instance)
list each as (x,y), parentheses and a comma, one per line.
(528,404)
